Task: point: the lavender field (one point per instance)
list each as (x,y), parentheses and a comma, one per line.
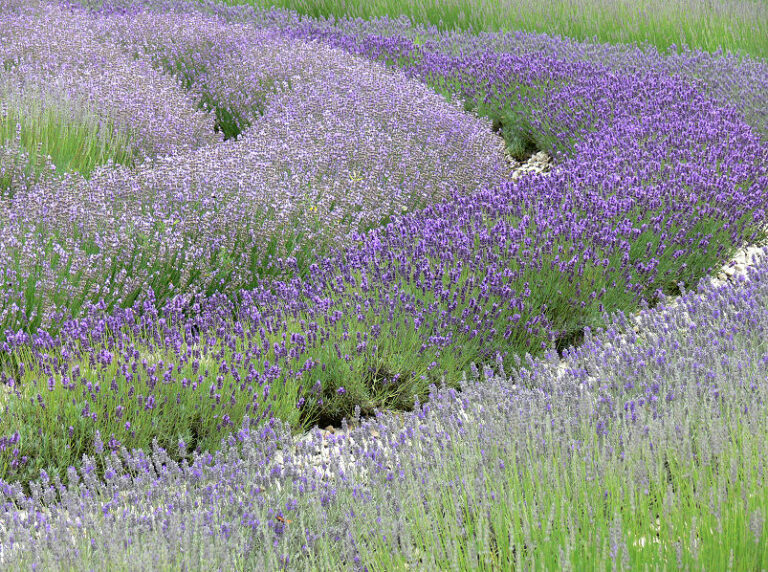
(297,292)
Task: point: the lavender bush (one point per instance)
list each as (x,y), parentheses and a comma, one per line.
(228,69)
(636,449)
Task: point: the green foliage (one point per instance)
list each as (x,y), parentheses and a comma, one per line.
(44,137)
(738,26)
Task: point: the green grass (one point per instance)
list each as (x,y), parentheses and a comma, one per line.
(51,137)
(740,26)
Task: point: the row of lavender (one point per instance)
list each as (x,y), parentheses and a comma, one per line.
(196,214)
(657,183)
(731,80)
(666,424)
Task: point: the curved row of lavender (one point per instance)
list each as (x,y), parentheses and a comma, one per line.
(324,159)
(507,269)
(729,79)
(630,416)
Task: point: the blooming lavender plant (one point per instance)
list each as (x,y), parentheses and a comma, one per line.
(228,69)
(630,451)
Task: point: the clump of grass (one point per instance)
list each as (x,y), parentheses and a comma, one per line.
(51,135)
